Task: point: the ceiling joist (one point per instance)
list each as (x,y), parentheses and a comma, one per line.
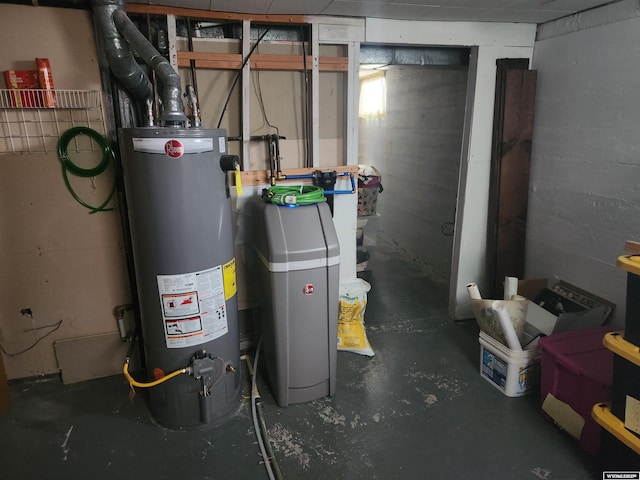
(211,15)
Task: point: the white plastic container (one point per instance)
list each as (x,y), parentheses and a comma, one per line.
(514,373)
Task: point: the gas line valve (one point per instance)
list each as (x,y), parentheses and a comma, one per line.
(209,370)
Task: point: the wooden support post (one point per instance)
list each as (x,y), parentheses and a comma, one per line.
(5,398)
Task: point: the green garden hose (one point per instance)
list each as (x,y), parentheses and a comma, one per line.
(69,167)
(294,195)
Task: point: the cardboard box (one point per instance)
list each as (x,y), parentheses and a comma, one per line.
(46,82)
(564,308)
(21,78)
(547,310)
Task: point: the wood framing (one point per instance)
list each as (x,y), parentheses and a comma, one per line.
(211,15)
(233,61)
(261,177)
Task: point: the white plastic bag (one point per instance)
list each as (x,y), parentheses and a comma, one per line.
(352,336)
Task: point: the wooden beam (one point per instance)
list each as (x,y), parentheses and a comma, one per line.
(261,177)
(233,61)
(296,63)
(212,15)
(632,248)
(223,61)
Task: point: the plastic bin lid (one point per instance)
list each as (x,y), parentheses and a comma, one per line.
(630,263)
(582,352)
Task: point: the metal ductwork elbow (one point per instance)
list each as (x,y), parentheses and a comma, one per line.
(121,61)
(173,112)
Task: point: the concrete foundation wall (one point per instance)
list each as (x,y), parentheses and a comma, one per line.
(584,198)
(416,147)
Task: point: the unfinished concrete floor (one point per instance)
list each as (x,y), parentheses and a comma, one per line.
(418,409)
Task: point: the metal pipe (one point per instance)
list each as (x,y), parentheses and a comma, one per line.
(172,113)
(123,66)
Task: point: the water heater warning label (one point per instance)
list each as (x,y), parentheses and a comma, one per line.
(180,304)
(193,307)
(229,273)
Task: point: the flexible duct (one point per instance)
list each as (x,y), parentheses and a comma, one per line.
(173,112)
(123,65)
(113,24)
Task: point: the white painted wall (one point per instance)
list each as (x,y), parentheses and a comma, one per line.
(416,147)
(584,198)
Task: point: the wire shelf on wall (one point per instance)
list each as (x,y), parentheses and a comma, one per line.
(40,98)
(31,121)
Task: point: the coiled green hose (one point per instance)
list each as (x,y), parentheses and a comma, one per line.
(294,195)
(69,167)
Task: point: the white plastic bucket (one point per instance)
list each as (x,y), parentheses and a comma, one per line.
(514,373)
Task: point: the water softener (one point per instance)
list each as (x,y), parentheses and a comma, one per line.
(181,228)
(298,269)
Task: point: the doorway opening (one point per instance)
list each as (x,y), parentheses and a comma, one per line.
(413,138)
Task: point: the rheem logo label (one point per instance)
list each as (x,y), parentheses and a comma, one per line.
(174,149)
(308,289)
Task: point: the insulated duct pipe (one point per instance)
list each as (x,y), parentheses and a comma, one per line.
(123,65)
(173,112)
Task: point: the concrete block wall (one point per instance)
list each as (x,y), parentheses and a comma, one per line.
(416,147)
(584,198)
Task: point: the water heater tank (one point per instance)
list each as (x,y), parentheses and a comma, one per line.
(181,229)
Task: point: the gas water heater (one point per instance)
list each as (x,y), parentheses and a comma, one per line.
(181,228)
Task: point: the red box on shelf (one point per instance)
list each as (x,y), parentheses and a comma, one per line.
(576,373)
(46,82)
(22,78)
(24,83)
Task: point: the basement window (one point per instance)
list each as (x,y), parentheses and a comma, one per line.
(373,96)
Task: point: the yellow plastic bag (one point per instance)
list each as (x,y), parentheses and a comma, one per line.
(352,336)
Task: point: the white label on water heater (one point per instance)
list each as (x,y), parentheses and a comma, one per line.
(158,145)
(193,307)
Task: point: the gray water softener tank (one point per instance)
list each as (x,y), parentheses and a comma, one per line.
(298,262)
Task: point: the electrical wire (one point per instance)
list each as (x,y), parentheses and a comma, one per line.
(306,107)
(55,327)
(235,80)
(294,195)
(69,167)
(192,63)
(258,88)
